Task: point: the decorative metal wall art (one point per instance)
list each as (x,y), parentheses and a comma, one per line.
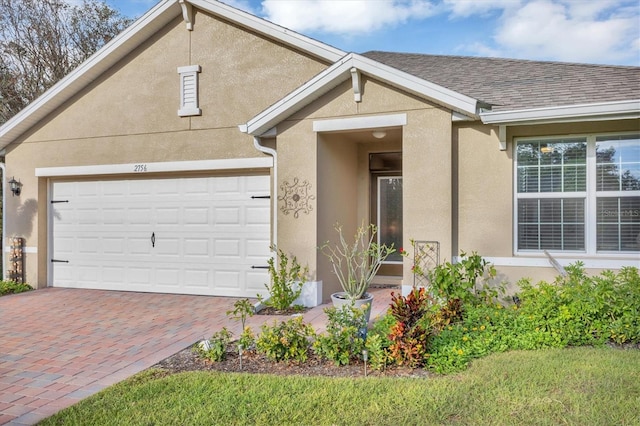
(296,197)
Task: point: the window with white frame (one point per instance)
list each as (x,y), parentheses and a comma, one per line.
(578,194)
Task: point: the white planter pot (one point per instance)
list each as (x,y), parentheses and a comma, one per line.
(341,298)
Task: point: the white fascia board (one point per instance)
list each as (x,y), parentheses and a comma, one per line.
(357,123)
(617,110)
(423,88)
(341,71)
(262,26)
(300,97)
(152,21)
(163,167)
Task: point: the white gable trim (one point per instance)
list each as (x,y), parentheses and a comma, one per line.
(291,38)
(91,69)
(618,110)
(342,71)
(163,167)
(121,45)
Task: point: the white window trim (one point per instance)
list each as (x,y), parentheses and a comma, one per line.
(590,197)
(189,103)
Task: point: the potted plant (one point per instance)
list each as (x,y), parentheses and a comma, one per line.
(355,264)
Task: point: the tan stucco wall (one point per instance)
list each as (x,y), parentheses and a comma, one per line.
(129,114)
(342,178)
(485,198)
(484,183)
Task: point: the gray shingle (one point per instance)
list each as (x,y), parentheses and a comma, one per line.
(511,84)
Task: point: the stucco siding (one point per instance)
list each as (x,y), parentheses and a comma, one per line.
(130,115)
(242,73)
(139,95)
(484,188)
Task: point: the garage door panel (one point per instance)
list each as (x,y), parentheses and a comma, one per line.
(256,282)
(196,216)
(197,278)
(208,233)
(197,247)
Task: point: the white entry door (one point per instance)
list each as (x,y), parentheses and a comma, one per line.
(195,235)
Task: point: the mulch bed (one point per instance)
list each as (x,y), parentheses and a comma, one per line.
(188,360)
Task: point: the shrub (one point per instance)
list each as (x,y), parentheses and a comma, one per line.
(343,340)
(409,336)
(12,287)
(215,349)
(377,342)
(579,310)
(288,340)
(286,281)
(468,280)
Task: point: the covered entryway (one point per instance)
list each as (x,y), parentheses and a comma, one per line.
(205,235)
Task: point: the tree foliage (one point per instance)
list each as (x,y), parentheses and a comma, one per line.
(41,41)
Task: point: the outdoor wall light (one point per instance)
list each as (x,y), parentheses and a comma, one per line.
(15,186)
(379,134)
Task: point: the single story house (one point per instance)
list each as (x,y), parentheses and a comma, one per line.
(175,156)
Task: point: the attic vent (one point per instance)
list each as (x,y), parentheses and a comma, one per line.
(189,91)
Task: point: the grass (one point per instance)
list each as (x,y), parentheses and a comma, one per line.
(595,386)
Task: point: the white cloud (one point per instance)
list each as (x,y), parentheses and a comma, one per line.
(467,8)
(574,31)
(344,17)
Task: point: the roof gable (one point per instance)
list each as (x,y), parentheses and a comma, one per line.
(342,71)
(132,37)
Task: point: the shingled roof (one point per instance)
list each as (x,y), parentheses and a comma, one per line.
(510,84)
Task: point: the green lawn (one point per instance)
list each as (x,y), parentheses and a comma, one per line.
(577,386)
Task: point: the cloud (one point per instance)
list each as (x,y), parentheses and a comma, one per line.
(574,31)
(467,8)
(344,17)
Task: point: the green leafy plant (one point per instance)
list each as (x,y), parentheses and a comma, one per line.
(247,339)
(343,340)
(377,343)
(215,349)
(409,338)
(468,280)
(12,287)
(284,341)
(242,309)
(287,279)
(355,264)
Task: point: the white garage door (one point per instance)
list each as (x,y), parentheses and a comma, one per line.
(198,235)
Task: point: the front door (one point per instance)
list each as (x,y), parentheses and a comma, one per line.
(386,206)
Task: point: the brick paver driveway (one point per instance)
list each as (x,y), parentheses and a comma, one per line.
(58,346)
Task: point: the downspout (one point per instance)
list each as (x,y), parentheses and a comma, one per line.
(272,152)
(4,218)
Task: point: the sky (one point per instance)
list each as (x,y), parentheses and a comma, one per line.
(585,31)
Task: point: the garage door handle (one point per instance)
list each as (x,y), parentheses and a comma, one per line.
(259,267)
(153,239)
(59,261)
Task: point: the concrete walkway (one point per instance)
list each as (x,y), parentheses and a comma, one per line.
(58,346)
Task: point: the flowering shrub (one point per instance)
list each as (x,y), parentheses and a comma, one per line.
(288,340)
(343,340)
